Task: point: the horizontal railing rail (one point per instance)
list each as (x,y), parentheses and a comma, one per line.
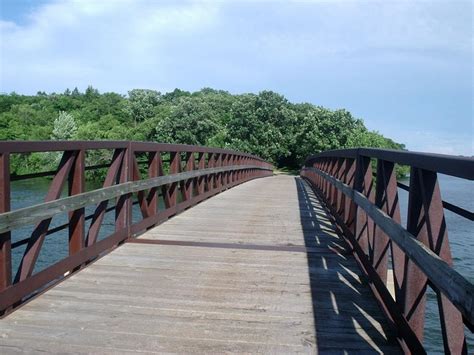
(37,213)
(365,206)
(178,177)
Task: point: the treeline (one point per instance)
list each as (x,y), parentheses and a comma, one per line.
(265,124)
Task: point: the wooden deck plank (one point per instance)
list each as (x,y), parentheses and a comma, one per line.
(144,298)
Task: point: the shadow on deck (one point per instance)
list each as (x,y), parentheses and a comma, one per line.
(257,269)
(346,316)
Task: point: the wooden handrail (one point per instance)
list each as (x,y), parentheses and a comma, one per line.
(33,214)
(366,210)
(455,286)
(458,166)
(194,172)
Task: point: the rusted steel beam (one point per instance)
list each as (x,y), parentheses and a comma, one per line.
(364,226)
(350,207)
(110,179)
(5,238)
(123,206)
(141,195)
(409,341)
(165,147)
(218,175)
(426,221)
(187,185)
(386,198)
(212,177)
(119,182)
(223,160)
(339,196)
(29,215)
(172,190)
(50,146)
(202,181)
(231,174)
(444,164)
(77,182)
(414,267)
(28,260)
(154,166)
(442,276)
(32,284)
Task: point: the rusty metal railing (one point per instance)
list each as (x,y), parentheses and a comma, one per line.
(178,175)
(366,211)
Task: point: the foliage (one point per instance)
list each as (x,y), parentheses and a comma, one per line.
(64,127)
(265,124)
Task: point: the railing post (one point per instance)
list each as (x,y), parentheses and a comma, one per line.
(224,175)
(427,223)
(350,207)
(5,238)
(154,167)
(334,171)
(364,226)
(386,198)
(211,177)
(175,166)
(187,186)
(229,163)
(327,185)
(238,176)
(32,250)
(77,183)
(202,180)
(219,175)
(338,195)
(123,207)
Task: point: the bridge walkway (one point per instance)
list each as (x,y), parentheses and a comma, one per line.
(258,268)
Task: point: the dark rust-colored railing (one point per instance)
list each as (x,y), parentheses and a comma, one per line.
(366,210)
(178,175)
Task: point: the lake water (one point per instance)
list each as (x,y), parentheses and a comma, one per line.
(454,190)
(461,239)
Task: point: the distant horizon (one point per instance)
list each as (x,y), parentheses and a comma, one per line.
(404,68)
(230,92)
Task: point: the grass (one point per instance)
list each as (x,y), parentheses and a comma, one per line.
(286,171)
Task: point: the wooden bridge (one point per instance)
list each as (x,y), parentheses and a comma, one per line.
(271,263)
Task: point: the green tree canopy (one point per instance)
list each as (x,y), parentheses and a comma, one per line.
(265,124)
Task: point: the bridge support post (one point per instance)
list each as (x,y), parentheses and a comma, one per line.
(77,183)
(202,181)
(211,177)
(349,205)
(187,186)
(219,175)
(386,198)
(364,225)
(123,207)
(175,167)
(5,238)
(154,170)
(426,221)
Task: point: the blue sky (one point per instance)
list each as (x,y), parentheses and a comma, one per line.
(404,67)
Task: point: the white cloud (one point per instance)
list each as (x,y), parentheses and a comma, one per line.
(107,44)
(406,63)
(119,44)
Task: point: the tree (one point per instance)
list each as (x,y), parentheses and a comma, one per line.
(64,127)
(141,104)
(265,124)
(91,93)
(191,121)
